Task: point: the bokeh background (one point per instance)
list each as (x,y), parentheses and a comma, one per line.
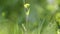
(29,16)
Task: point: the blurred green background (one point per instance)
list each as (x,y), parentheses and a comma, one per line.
(29,16)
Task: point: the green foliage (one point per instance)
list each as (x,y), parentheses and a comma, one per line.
(29,16)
